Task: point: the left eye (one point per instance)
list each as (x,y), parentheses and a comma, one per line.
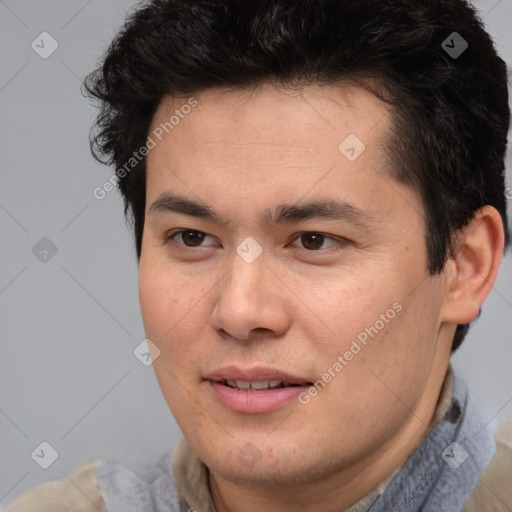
(314,241)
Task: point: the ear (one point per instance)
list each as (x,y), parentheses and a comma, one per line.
(471,271)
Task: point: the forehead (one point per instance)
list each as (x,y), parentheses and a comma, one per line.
(254,148)
(249,128)
(269,114)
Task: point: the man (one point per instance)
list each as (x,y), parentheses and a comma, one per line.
(317,196)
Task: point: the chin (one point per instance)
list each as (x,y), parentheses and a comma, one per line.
(262,459)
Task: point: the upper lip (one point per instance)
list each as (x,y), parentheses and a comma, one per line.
(253,374)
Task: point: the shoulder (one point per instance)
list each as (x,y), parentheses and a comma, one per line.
(494,490)
(79,491)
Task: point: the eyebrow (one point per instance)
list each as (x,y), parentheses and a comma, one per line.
(169,203)
(328,209)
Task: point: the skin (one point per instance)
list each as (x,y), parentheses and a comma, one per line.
(299,306)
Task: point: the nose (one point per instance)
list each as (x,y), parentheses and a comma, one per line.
(250,299)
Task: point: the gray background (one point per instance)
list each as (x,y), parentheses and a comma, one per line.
(68,375)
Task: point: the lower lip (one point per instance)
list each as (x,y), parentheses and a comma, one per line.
(255,402)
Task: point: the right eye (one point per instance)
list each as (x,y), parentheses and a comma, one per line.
(189,237)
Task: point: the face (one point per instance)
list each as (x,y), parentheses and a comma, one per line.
(278,250)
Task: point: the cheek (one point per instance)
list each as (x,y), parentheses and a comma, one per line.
(170,306)
(174,308)
(160,307)
(350,305)
(379,329)
(165,294)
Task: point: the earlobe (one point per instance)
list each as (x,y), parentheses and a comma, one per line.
(471,271)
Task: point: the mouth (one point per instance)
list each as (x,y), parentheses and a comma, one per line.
(258,386)
(256,390)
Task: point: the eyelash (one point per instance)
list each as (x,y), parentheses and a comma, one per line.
(171,236)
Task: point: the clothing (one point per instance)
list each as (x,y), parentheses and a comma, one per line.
(79,493)
(179,481)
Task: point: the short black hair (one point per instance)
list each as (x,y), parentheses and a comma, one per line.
(450,111)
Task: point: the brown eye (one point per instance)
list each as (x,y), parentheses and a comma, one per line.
(190,238)
(312,241)
(315,241)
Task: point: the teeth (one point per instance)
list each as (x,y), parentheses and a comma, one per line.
(258,385)
(255,385)
(238,384)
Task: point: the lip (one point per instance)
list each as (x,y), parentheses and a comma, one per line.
(257,373)
(254,402)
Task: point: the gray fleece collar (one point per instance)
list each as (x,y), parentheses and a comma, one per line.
(441,473)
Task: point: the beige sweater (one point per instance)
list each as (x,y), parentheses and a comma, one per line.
(80,492)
